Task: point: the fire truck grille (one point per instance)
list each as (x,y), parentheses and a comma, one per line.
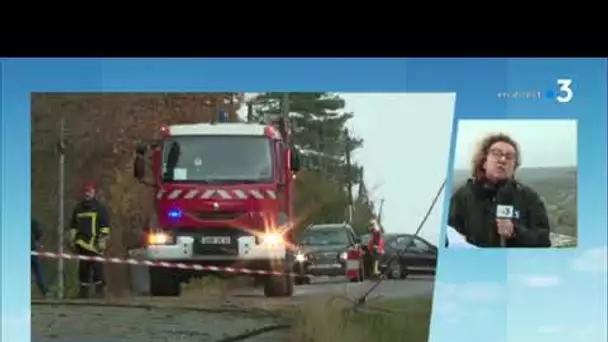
(324,257)
(218,216)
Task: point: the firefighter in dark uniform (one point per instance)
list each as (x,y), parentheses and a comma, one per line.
(89,233)
(35,261)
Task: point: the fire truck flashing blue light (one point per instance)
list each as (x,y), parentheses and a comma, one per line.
(222,116)
(174,214)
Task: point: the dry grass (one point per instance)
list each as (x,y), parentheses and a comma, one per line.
(390,320)
(213,286)
(210,286)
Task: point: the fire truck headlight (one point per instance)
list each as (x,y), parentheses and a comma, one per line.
(159,238)
(343,256)
(300,257)
(272,239)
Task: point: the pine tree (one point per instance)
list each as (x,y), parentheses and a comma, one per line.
(364,208)
(318,124)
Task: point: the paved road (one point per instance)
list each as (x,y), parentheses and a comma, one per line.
(164,323)
(413,287)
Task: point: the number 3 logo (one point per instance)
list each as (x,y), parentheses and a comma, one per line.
(565,88)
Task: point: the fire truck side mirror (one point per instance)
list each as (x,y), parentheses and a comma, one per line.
(139,162)
(295,161)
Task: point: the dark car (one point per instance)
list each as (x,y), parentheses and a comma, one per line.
(416,256)
(408,257)
(323,250)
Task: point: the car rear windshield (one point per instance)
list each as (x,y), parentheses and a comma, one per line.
(325,236)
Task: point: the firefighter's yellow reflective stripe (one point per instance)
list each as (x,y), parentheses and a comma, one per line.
(86,246)
(93,216)
(85,214)
(105,230)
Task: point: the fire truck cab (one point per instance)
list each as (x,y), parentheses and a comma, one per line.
(223,196)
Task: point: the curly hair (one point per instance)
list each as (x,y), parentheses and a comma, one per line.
(481,153)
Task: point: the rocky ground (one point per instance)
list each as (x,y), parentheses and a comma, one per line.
(140,324)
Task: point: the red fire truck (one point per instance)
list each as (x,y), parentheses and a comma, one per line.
(224,197)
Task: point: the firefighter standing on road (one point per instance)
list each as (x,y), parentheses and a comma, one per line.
(375,246)
(90,229)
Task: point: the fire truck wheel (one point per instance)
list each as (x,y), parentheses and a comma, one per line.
(283,285)
(278,286)
(403,273)
(302,280)
(164,282)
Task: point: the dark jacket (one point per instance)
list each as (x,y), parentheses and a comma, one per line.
(36,234)
(473,214)
(91,221)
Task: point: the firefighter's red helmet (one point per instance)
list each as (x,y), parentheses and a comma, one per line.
(89,187)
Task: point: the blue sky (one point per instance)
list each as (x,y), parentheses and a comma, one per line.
(559,296)
(552,296)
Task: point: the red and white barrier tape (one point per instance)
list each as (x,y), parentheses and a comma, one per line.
(150,263)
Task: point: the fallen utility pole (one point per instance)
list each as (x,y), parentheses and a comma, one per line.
(61,208)
(348,173)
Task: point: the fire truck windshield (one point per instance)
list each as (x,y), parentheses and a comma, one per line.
(217,159)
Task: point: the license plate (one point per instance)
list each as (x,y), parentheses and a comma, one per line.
(215,240)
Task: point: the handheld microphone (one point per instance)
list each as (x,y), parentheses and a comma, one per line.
(505,198)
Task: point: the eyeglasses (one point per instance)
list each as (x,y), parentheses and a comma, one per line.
(498,154)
